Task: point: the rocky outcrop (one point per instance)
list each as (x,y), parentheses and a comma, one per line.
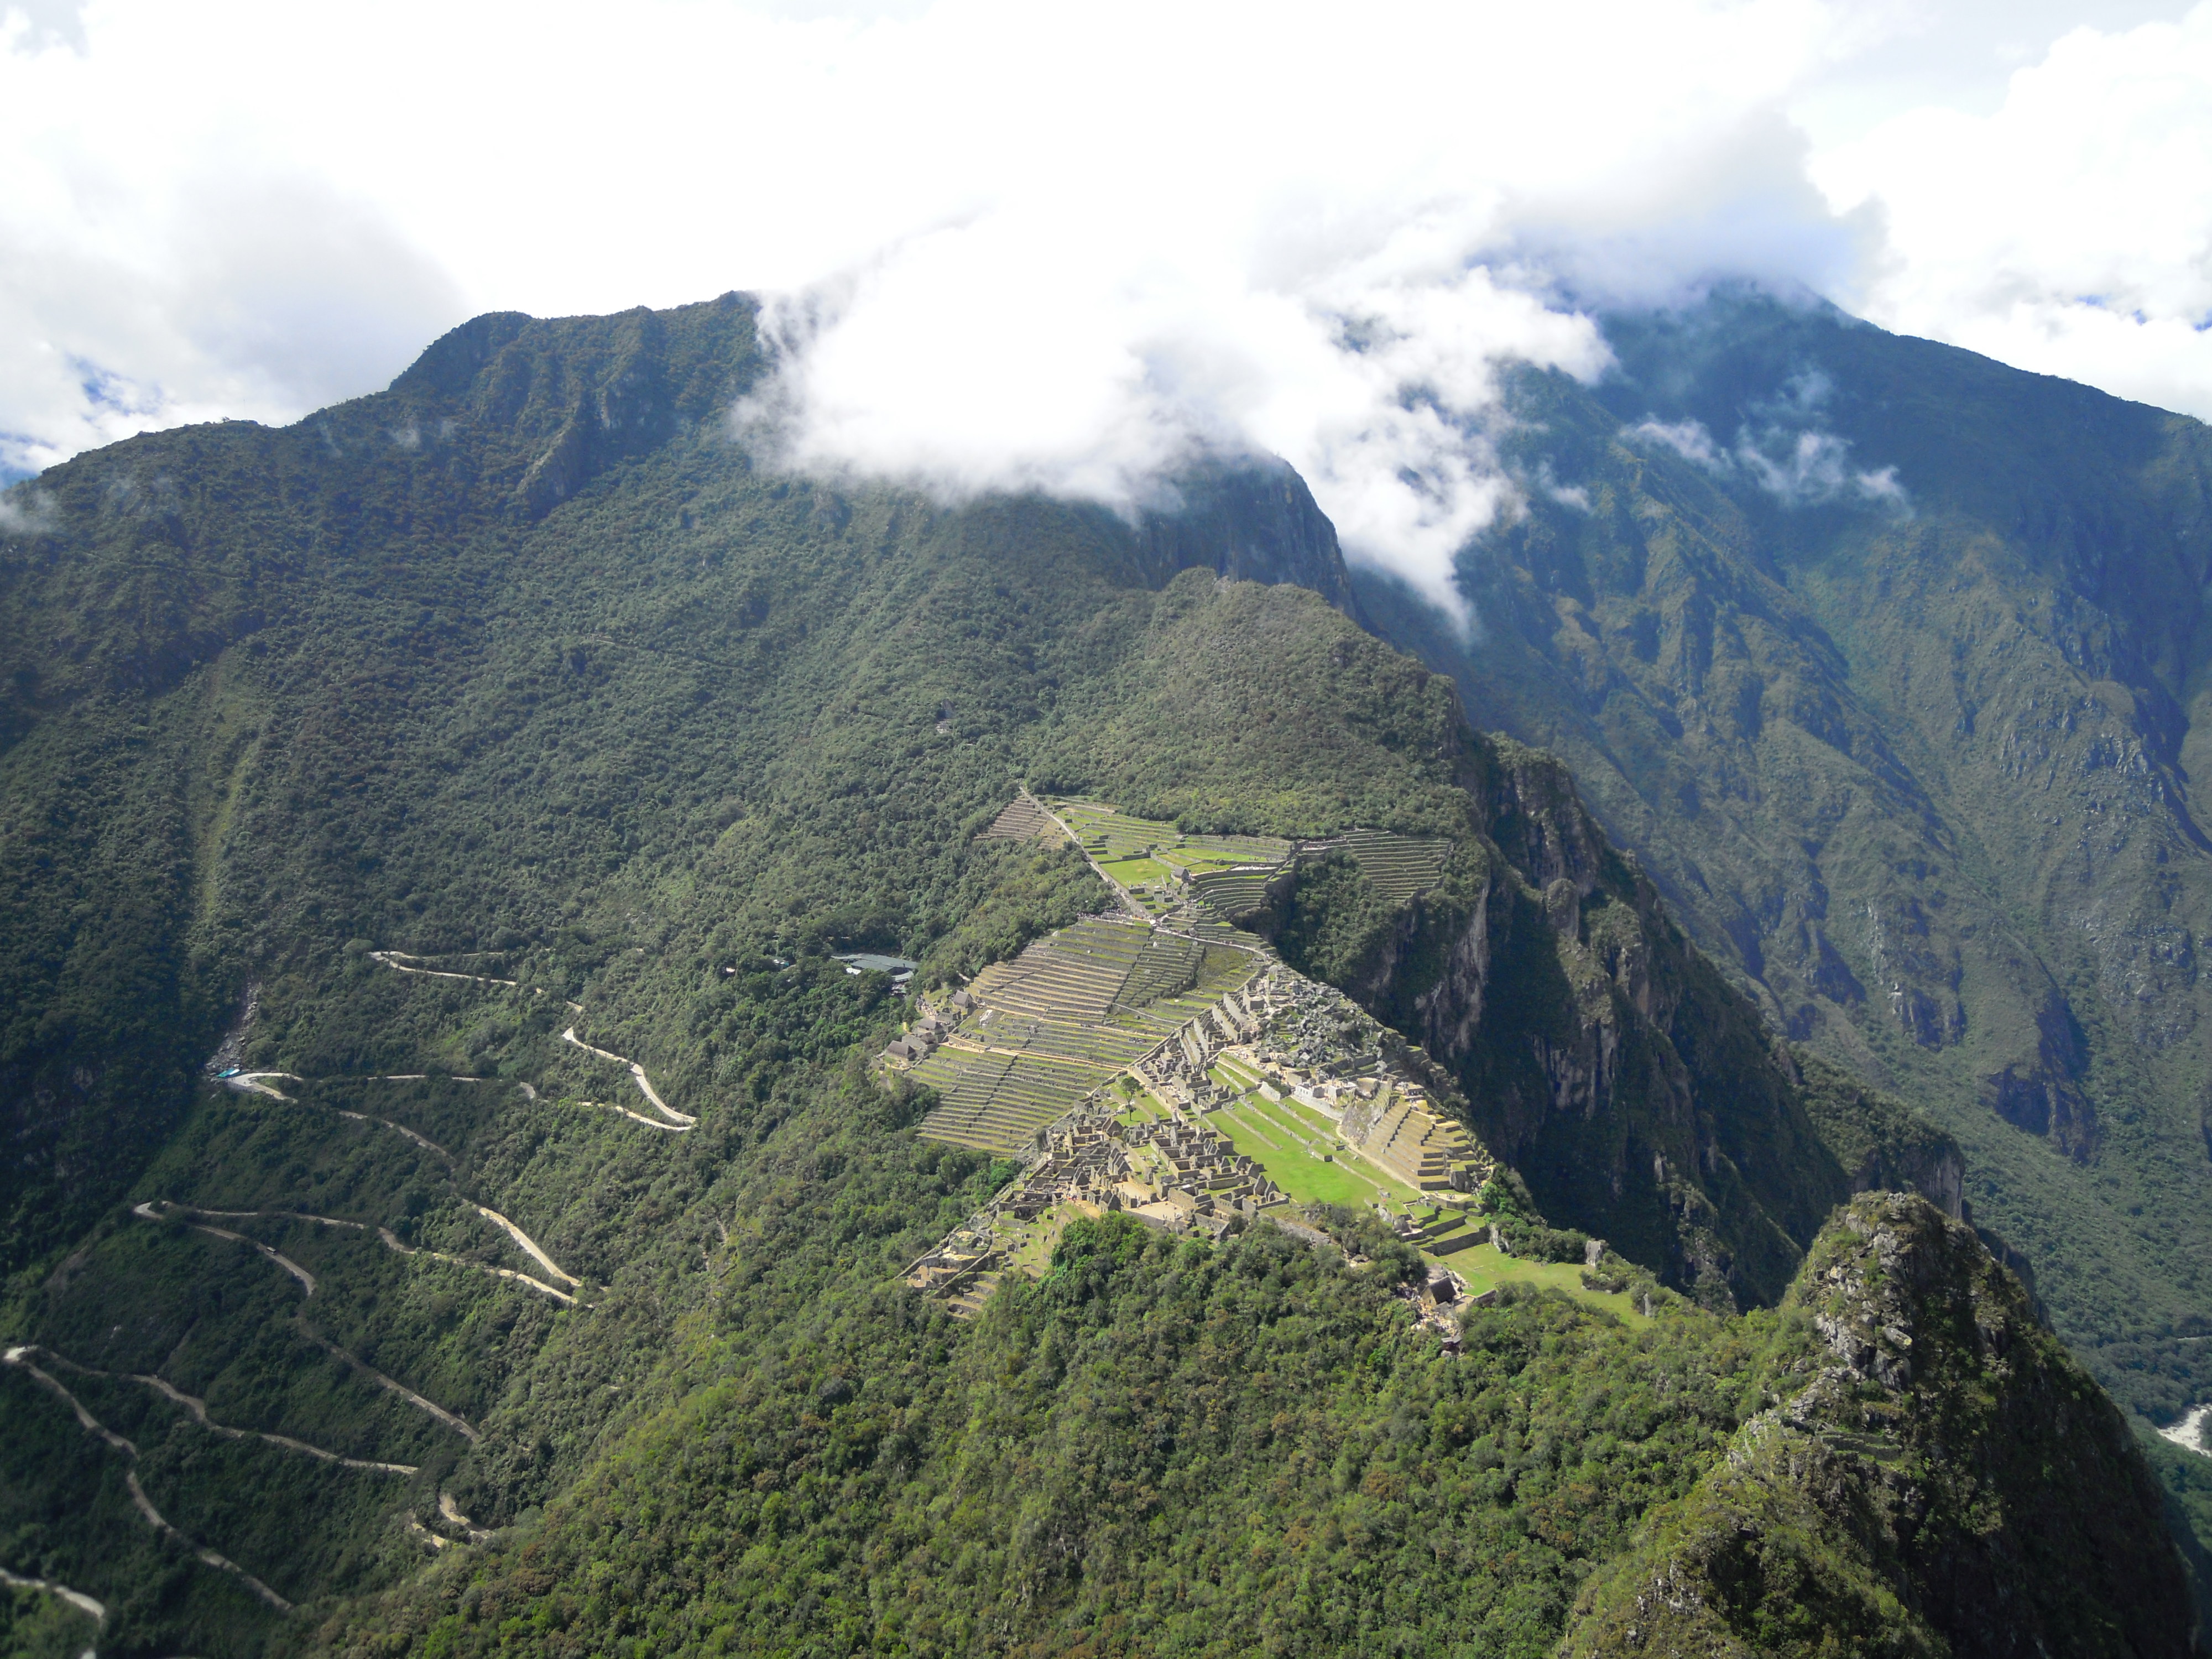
(1603,1056)
(1253,519)
(1935,1476)
(1882,1145)
(2044,1095)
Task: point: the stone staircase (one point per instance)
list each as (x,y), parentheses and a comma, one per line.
(1418,1147)
(972,1296)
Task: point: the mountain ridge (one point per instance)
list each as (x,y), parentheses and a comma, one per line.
(523,679)
(1883,658)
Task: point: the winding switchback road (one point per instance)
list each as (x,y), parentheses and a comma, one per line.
(77,1599)
(637,1076)
(391,959)
(391,1241)
(197,1408)
(93,1425)
(449,1418)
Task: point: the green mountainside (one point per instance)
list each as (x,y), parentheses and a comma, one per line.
(1888,664)
(487,773)
(1914,1487)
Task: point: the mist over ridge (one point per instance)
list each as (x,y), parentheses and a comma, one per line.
(1014,246)
(1341,830)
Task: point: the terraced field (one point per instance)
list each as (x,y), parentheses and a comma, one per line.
(1061,1018)
(1075,974)
(1228,874)
(1170,966)
(998,1101)
(1114,1043)
(1023,819)
(1223,970)
(1093,970)
(1209,931)
(1236,892)
(1398,866)
(1109,834)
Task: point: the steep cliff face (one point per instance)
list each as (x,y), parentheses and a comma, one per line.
(1253,519)
(1888,664)
(1601,1054)
(1936,1477)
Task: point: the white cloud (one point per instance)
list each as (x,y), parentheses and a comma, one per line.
(1038,245)
(35,25)
(1782,452)
(25,510)
(2068,231)
(1688,438)
(150,276)
(1271,228)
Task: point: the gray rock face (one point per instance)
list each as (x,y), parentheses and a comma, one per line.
(1605,1058)
(1935,1476)
(1253,519)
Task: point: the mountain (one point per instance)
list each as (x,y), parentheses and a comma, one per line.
(1887,663)
(453,1201)
(1911,1490)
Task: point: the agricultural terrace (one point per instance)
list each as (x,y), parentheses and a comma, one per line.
(998,1102)
(1399,867)
(1152,859)
(1108,835)
(1179,1071)
(1059,1021)
(1160,866)
(1022,819)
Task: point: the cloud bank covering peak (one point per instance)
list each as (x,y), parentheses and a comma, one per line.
(1065,248)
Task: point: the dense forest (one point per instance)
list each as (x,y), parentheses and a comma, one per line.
(436,1341)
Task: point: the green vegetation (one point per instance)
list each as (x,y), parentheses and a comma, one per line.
(1052,887)
(1917,1490)
(565,692)
(1486,1268)
(1097,1470)
(1923,778)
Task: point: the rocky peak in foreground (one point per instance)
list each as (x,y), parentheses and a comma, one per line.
(1938,1476)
